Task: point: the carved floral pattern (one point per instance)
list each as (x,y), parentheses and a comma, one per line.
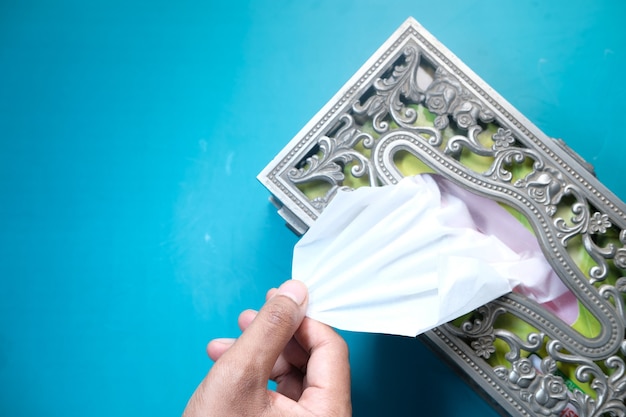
(390,106)
(484,346)
(599,223)
(537,382)
(522,374)
(546,186)
(548,395)
(545,393)
(503,139)
(391,94)
(446,97)
(334,153)
(610,387)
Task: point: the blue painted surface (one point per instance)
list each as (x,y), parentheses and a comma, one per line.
(132,229)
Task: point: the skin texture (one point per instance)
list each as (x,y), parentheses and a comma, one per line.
(307,359)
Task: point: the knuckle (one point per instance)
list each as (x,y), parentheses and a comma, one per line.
(338,345)
(280,316)
(342,346)
(243,378)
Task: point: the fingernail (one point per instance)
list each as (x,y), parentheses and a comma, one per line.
(223,341)
(293,289)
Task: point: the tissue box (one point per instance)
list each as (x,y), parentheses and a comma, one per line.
(414,107)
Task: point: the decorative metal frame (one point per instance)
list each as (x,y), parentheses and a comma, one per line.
(379,113)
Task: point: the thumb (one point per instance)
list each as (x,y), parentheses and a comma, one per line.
(263,341)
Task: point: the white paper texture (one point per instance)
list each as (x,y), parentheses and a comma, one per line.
(405,258)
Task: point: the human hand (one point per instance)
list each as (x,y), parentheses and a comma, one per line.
(307,359)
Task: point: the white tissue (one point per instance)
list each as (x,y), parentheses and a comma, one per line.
(404,258)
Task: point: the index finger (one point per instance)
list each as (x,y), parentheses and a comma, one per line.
(328,369)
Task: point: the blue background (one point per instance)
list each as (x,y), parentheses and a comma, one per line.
(132,228)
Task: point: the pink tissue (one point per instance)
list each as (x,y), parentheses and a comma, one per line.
(404,258)
(489,218)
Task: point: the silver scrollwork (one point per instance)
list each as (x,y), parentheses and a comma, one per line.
(444,119)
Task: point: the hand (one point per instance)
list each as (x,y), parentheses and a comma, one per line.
(307,359)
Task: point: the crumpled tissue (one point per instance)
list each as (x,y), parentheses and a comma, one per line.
(405,258)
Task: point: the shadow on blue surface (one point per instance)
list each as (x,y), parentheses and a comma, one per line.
(411,380)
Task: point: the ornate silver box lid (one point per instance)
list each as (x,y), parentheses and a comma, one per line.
(415,107)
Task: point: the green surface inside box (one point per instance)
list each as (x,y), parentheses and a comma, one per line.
(408,164)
